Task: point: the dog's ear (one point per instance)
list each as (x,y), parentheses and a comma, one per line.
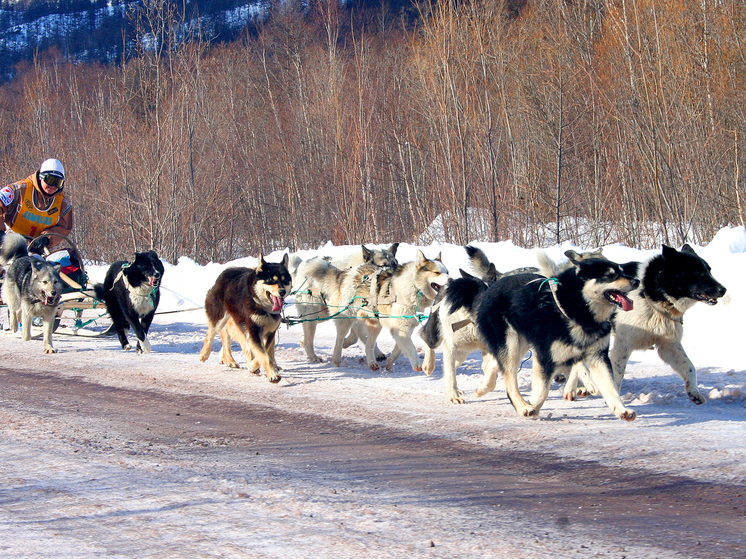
(669,252)
(686,249)
(367,254)
(421,258)
(260,264)
(438,258)
(57,267)
(392,248)
(466,274)
(492,274)
(285,260)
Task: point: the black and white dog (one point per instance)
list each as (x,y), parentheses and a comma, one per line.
(670,284)
(131,291)
(564,320)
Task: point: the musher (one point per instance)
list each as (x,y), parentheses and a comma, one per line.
(36,205)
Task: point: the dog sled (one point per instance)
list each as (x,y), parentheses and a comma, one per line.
(80,312)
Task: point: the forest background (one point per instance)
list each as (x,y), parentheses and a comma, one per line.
(536,121)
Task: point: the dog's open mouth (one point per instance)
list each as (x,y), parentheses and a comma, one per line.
(277,302)
(706,299)
(153,281)
(436,287)
(51,300)
(620,300)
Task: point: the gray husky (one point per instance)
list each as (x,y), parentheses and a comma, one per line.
(313,306)
(32,287)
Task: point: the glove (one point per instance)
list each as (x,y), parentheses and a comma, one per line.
(37,245)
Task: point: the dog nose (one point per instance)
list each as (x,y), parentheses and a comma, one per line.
(721,290)
(282,292)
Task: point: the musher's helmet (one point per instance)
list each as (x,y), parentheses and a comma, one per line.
(53,173)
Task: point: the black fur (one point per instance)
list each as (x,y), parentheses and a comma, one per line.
(678,275)
(464,292)
(524,304)
(131,291)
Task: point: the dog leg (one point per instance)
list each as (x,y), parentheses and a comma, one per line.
(48,328)
(343,327)
(600,374)
(403,339)
(619,355)
(451,360)
(259,351)
(490,368)
(510,369)
(26,318)
(676,357)
(226,355)
(358,333)
(372,331)
(212,329)
(570,391)
(541,382)
(428,363)
(309,333)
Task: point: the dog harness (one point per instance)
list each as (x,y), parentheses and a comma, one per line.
(30,220)
(128,285)
(553,283)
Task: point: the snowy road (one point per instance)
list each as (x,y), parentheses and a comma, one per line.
(91,469)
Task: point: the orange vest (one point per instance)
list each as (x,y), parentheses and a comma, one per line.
(31,221)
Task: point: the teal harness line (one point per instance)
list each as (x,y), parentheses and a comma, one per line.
(290,321)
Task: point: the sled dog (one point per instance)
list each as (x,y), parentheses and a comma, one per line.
(32,287)
(312,306)
(379,297)
(670,284)
(451,321)
(252,299)
(131,291)
(564,320)
(453,316)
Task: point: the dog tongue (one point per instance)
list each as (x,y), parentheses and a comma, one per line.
(277,303)
(626,302)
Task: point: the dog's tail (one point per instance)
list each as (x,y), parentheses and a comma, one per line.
(484,269)
(294,262)
(431,332)
(547,266)
(314,272)
(13,246)
(98,288)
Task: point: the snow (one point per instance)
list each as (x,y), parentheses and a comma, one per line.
(670,434)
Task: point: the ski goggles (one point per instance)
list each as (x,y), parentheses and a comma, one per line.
(55,181)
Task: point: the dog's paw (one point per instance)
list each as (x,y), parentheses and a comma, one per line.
(315,359)
(697,398)
(380,356)
(274,379)
(530,413)
(628,415)
(50,349)
(374,366)
(417,368)
(456,396)
(126,347)
(569,395)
